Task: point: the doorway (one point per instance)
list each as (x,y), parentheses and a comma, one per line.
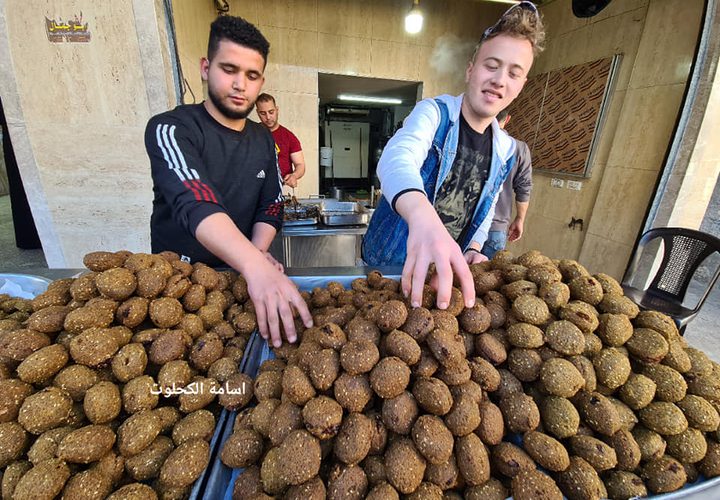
(20,248)
(358,115)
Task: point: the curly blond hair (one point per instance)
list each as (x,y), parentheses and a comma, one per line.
(518,22)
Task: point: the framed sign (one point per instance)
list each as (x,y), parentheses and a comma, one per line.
(559,114)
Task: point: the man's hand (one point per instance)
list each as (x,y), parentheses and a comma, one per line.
(515,231)
(290,180)
(474,257)
(275,296)
(428,242)
(272,260)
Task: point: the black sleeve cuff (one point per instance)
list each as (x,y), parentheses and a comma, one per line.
(199,213)
(270,221)
(394,200)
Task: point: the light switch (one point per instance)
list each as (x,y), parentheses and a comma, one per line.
(575,185)
(557,183)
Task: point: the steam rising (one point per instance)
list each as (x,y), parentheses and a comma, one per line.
(451,54)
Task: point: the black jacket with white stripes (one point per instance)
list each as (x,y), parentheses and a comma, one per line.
(200,167)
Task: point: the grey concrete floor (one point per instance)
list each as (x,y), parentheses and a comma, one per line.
(12,258)
(704,331)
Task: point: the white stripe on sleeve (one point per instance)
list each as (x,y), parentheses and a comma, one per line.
(173,154)
(191,173)
(171,165)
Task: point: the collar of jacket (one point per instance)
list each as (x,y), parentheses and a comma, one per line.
(503,144)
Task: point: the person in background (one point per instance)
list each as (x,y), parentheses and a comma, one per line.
(287,145)
(442,171)
(519,182)
(216,184)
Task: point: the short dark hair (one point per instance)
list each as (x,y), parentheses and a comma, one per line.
(265,98)
(237,30)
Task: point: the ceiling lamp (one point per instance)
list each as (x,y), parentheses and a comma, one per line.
(370,99)
(414,19)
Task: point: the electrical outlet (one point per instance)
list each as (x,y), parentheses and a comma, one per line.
(557,183)
(575,185)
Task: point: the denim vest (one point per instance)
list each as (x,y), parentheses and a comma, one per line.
(385,243)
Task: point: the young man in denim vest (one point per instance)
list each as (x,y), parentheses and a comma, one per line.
(442,171)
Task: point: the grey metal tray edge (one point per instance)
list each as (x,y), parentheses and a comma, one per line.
(338,219)
(29,283)
(219,475)
(219,435)
(300,222)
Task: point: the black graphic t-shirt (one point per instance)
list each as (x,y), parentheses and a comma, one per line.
(459,194)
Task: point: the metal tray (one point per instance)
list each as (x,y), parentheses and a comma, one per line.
(23,285)
(343,213)
(206,480)
(344,218)
(300,222)
(333,205)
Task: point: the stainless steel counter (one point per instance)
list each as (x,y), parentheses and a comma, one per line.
(319,230)
(318,246)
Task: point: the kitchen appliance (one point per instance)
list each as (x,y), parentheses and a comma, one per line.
(343,213)
(350,148)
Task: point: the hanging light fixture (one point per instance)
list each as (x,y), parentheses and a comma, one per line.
(414,19)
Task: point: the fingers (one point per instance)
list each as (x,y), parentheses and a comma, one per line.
(287,320)
(261,316)
(406,277)
(467,285)
(302,309)
(419,273)
(445,280)
(473,258)
(273,322)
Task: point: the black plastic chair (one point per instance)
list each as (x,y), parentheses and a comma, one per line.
(684,251)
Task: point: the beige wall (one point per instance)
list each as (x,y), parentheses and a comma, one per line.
(76,114)
(344,37)
(657,40)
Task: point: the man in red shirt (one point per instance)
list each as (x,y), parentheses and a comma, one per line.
(287,146)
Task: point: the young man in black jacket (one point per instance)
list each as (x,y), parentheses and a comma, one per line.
(217,189)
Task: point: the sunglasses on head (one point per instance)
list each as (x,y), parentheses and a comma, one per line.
(521,5)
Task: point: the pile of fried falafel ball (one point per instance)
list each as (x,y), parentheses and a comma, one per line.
(554,384)
(110,381)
